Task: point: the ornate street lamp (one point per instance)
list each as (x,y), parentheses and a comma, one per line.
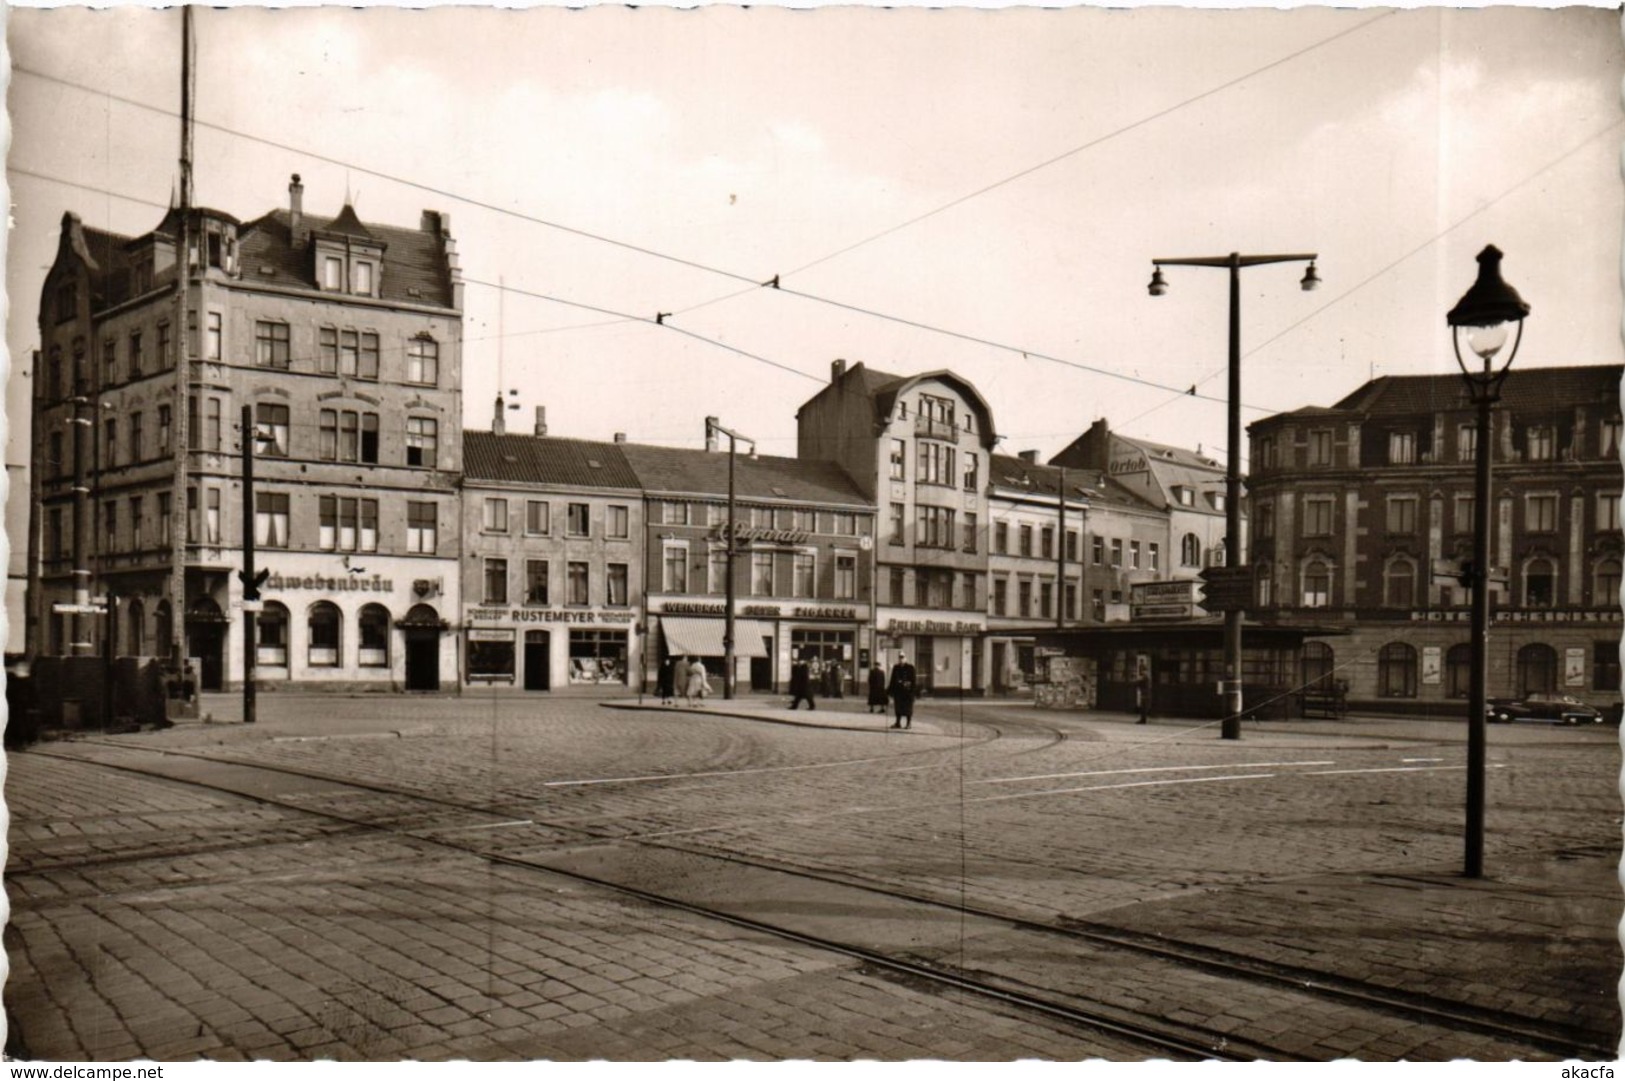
(1230,727)
(1485,317)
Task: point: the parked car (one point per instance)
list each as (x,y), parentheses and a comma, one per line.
(1542,709)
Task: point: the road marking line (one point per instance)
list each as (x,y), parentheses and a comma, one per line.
(1148,769)
(1421,760)
(484,826)
(1382,769)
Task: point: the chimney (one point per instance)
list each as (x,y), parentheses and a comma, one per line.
(837,369)
(1029,456)
(498,425)
(296,211)
(541,420)
(710,433)
(620,437)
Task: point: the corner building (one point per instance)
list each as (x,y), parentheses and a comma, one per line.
(344,340)
(1361,512)
(917,447)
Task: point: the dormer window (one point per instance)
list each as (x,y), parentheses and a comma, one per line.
(363,279)
(333,273)
(1185,497)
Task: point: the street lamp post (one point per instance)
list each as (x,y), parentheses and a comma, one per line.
(1230,727)
(250,578)
(713,428)
(1486,316)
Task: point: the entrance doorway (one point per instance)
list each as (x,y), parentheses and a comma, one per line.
(422,630)
(538,661)
(761,668)
(205,643)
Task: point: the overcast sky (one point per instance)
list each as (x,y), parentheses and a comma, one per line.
(1060,151)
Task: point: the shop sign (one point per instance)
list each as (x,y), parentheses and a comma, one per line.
(825,613)
(487,634)
(1430,664)
(1574,667)
(1134,464)
(1550,615)
(689,608)
(932,626)
(769,610)
(1162,611)
(349,584)
(1182,592)
(548,615)
(743,532)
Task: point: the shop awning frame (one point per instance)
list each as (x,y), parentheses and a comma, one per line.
(701,636)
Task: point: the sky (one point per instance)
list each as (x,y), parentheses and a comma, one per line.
(981,191)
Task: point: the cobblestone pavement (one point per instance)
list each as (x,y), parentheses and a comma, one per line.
(1282,847)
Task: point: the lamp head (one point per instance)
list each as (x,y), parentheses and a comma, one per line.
(1488,310)
(1159,285)
(1311,280)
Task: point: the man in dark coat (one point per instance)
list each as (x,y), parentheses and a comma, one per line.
(666,681)
(801,685)
(903,679)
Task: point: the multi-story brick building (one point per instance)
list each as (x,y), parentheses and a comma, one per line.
(1361,510)
(553,572)
(802,572)
(343,339)
(917,446)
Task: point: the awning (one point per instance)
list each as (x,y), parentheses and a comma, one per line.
(699,637)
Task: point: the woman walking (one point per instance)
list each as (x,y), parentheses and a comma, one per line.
(697,683)
(877,690)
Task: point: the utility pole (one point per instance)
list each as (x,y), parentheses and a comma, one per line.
(1060,550)
(250,579)
(711,427)
(183,363)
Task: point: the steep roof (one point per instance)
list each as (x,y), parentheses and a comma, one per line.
(414,270)
(1090,485)
(677,470)
(530,459)
(1532,390)
(883,389)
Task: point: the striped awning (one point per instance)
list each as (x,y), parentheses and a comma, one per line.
(701,637)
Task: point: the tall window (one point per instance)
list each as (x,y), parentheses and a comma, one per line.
(137,360)
(110,444)
(577,521)
(1264,519)
(165,428)
(422,441)
(1317,585)
(899,458)
(496,516)
(138,524)
(1320,447)
(971,472)
(166,357)
(110,523)
(423,360)
(135,437)
(761,574)
(1402,514)
(1046,598)
(271,519)
(616,588)
(1607,510)
(327,351)
(1001,537)
(271,429)
(897,524)
(804,566)
(271,631)
(1608,438)
(1458,670)
(576,583)
(895,582)
(935,463)
(421,528)
(1605,666)
(1117,551)
(846,577)
(1467,442)
(1540,441)
(496,581)
(936,527)
(1539,579)
(362,275)
(1606,593)
(674,568)
(164,538)
(348,524)
(324,634)
(211,424)
(1154,555)
(373,636)
(1024,597)
(1399,584)
(1317,516)
(332,272)
(1134,555)
(616,522)
(969,543)
(1540,513)
(718,566)
(1072,546)
(1190,551)
(211,516)
(1396,671)
(535,581)
(1097,551)
(1046,543)
(212,336)
(1463,513)
(1001,596)
(1401,448)
(1024,540)
(271,344)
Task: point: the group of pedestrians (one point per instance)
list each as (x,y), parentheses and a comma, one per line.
(685,676)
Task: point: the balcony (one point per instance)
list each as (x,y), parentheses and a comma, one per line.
(936,429)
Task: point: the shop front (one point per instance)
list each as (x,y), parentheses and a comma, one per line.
(546,649)
(944,647)
(769,637)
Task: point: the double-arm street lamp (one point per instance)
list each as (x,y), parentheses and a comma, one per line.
(712,429)
(1486,316)
(1230,727)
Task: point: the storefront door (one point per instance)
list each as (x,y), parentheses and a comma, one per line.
(422,659)
(538,659)
(761,668)
(206,643)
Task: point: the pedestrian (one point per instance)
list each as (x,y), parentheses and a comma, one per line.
(666,680)
(877,689)
(836,680)
(699,682)
(801,684)
(901,687)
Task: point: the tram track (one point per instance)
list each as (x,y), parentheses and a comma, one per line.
(1408,1006)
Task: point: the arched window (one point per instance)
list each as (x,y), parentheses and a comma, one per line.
(271,635)
(323,644)
(1399,584)
(1396,671)
(1318,664)
(136,634)
(1458,670)
(373,637)
(1317,584)
(1539,583)
(1537,669)
(1605,594)
(1190,551)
